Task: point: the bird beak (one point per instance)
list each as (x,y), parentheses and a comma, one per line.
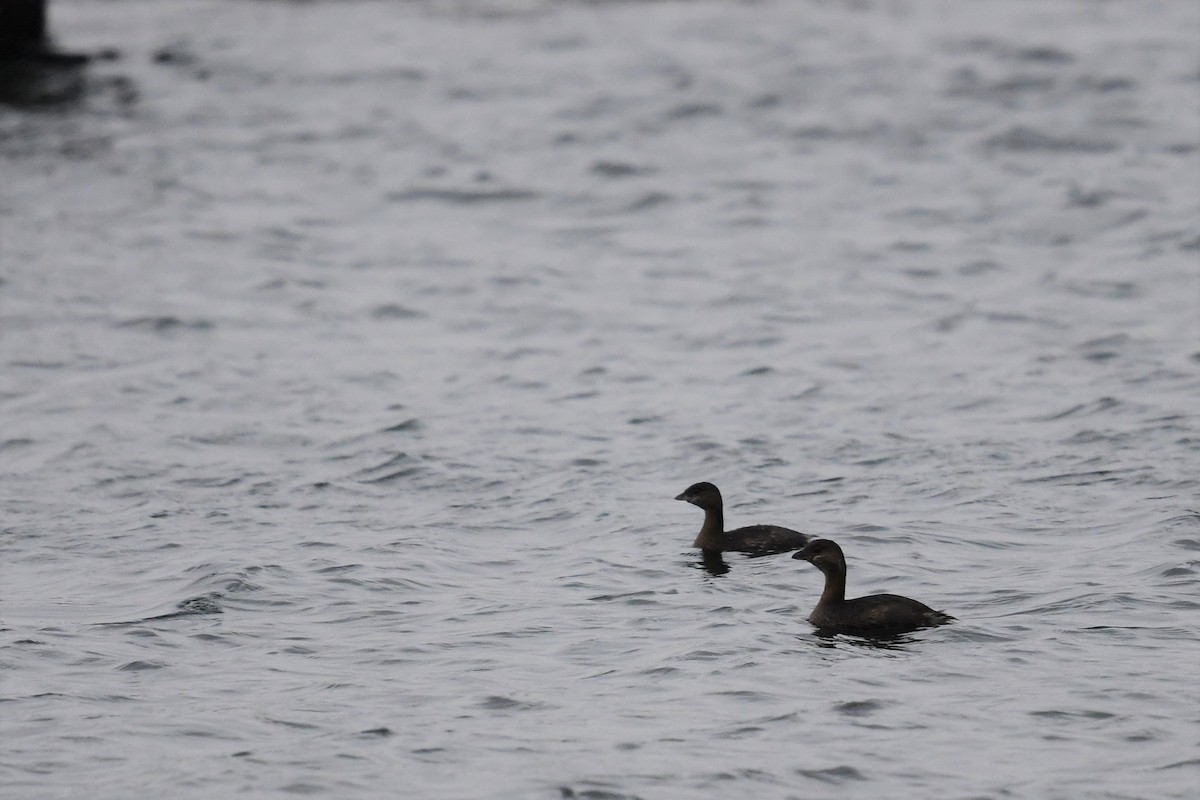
(682,496)
(800,555)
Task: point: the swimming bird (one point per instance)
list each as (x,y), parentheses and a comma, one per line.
(755,539)
(876,614)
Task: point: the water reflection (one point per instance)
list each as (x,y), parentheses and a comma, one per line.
(832,639)
(200,605)
(711,562)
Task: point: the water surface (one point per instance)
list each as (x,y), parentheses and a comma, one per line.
(352,353)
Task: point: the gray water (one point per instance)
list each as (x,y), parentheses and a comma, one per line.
(351,354)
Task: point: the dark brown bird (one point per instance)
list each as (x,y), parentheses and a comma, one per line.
(756,539)
(876,614)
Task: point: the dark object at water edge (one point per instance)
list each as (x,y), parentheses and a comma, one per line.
(22,27)
(32,72)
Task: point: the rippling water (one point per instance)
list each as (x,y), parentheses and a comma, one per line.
(353,352)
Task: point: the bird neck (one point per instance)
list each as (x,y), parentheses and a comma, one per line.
(835,585)
(711,531)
